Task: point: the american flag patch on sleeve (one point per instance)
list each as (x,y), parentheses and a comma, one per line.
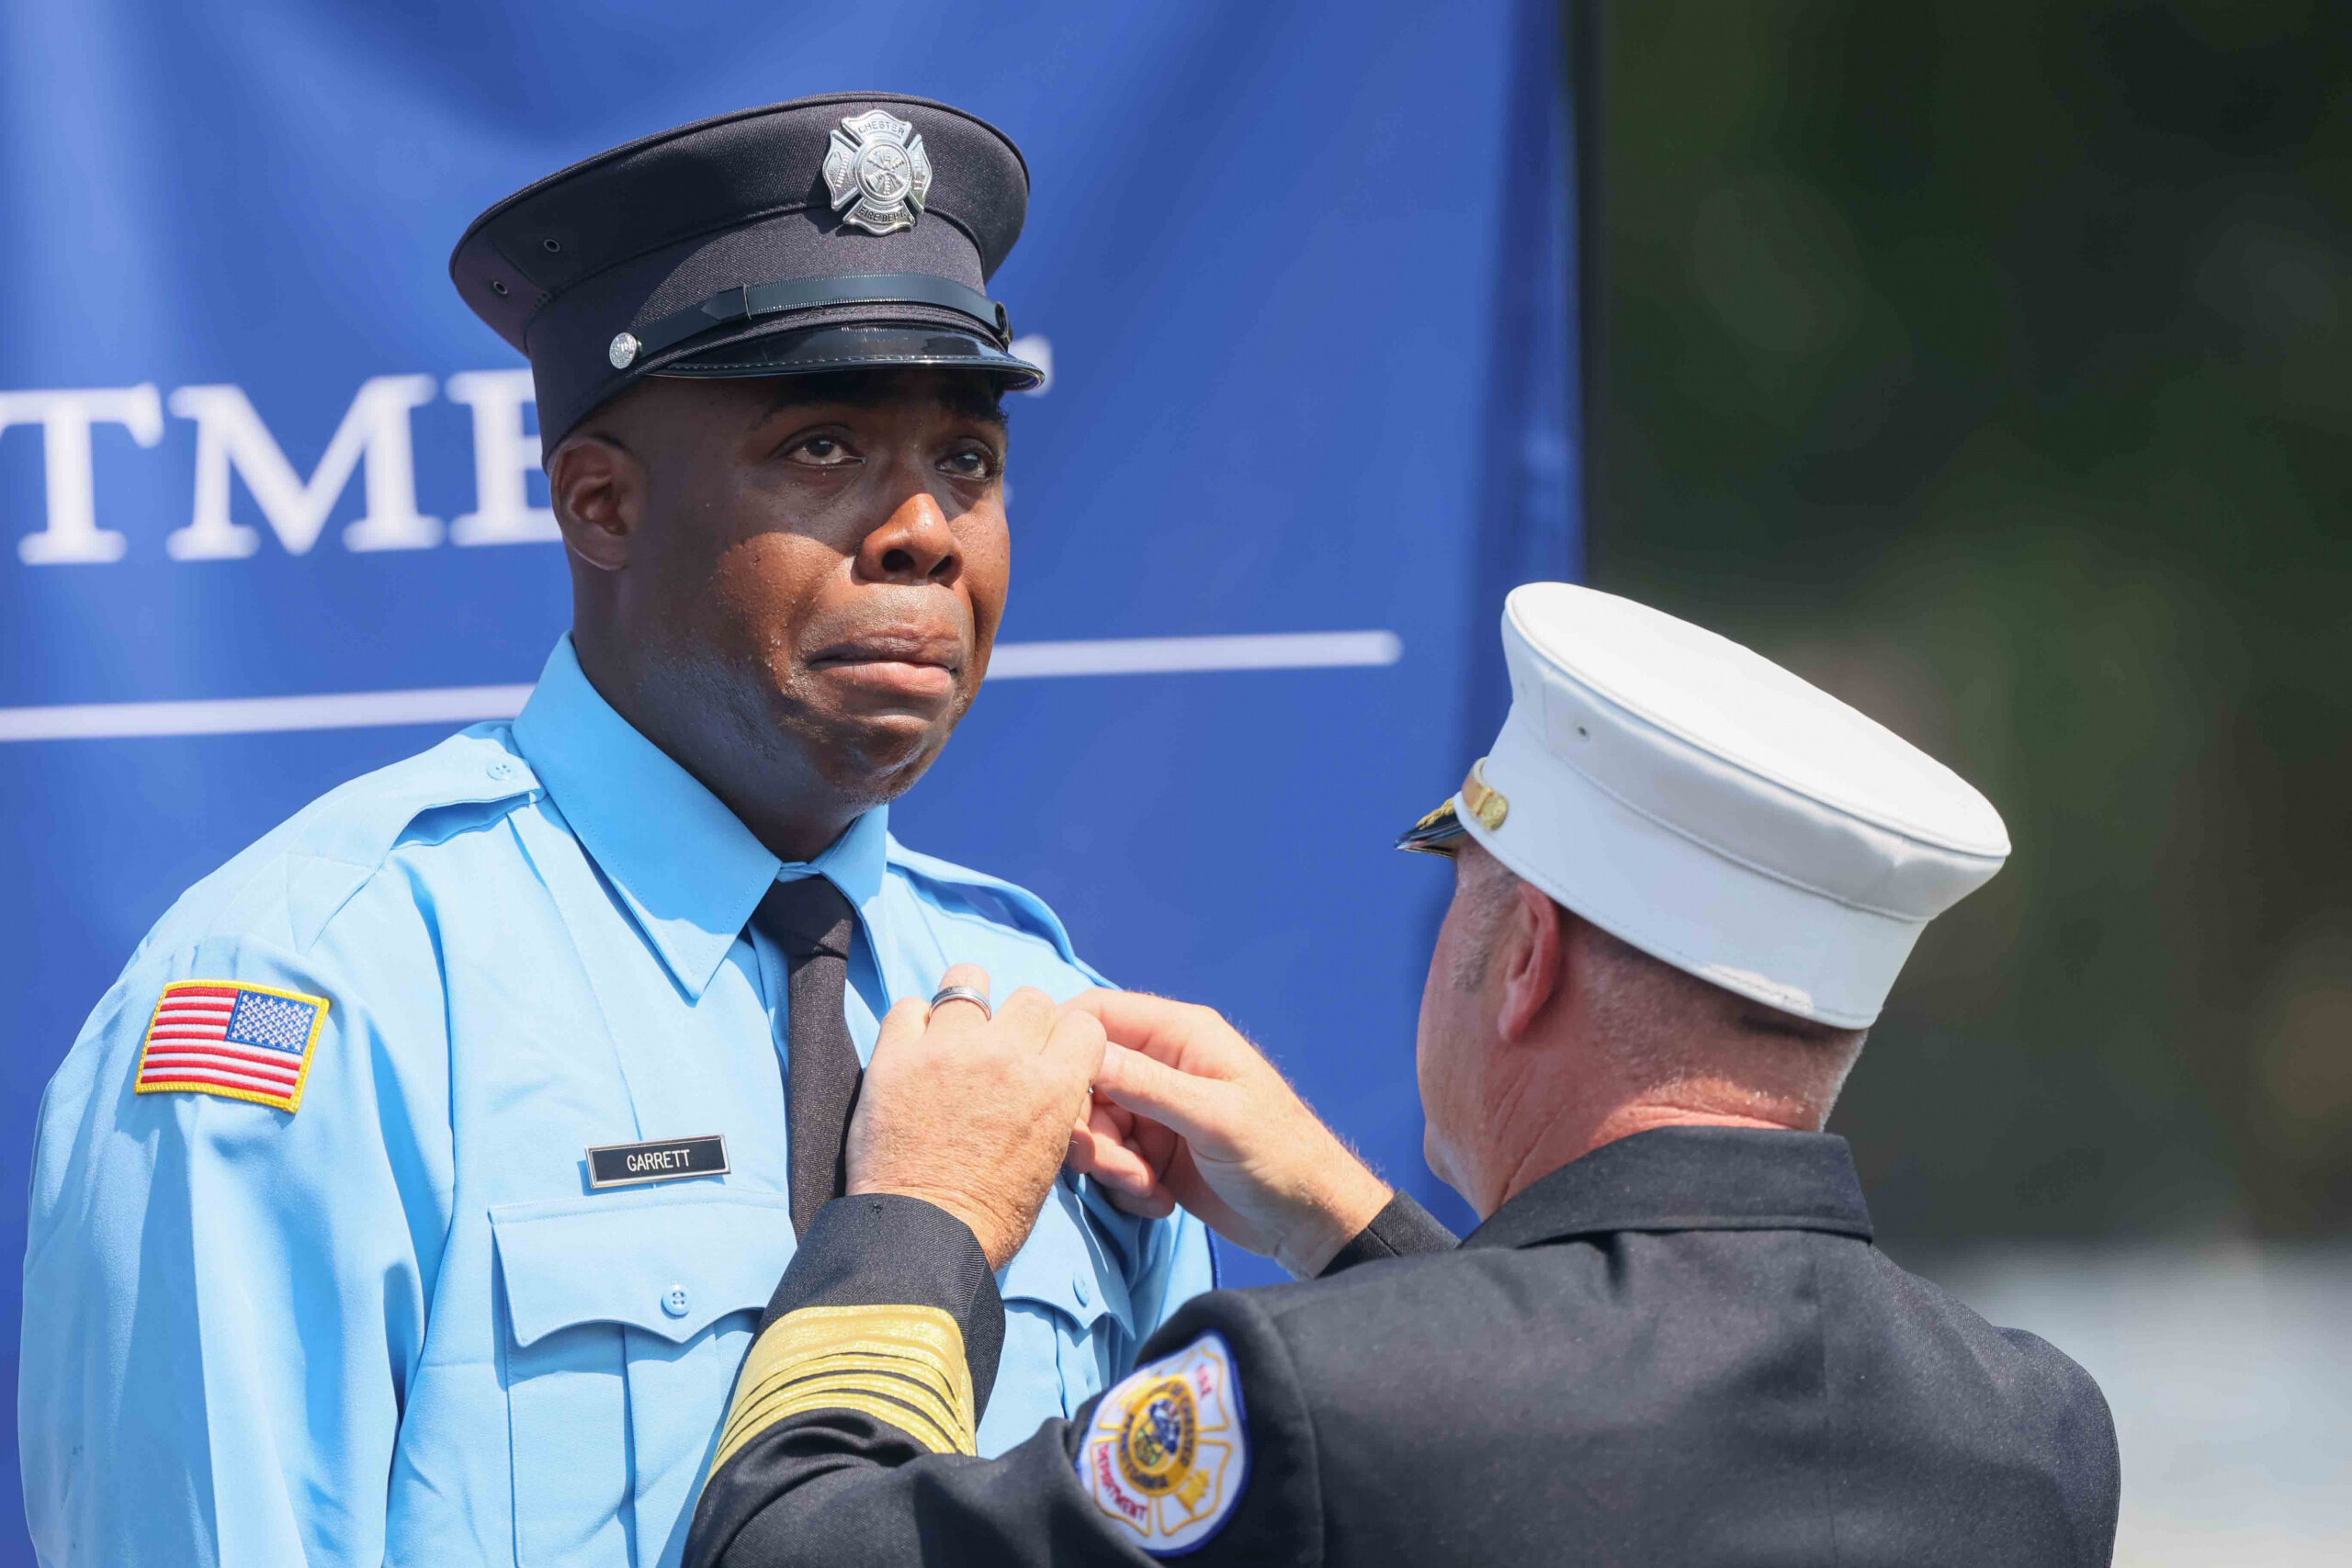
(238,1041)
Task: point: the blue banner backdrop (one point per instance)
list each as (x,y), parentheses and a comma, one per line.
(270,514)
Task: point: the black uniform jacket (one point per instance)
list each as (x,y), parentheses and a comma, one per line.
(1681,1348)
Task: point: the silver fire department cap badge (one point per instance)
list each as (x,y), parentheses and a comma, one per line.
(878,173)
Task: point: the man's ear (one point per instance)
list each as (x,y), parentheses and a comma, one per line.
(1530,964)
(597,489)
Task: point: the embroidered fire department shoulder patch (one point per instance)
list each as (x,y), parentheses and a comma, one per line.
(1168,1454)
(233,1039)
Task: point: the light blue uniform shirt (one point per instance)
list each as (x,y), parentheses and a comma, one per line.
(397,1323)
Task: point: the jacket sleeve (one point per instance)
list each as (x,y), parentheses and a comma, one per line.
(1403,1229)
(223,1299)
(848,1441)
(2072,1431)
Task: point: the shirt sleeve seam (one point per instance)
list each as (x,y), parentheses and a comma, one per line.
(1022,933)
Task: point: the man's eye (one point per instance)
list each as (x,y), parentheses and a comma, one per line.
(825,451)
(972,463)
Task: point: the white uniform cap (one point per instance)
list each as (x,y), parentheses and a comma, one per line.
(1697,801)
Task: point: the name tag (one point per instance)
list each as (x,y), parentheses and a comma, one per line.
(667,1160)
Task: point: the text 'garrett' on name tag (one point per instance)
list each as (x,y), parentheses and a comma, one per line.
(666,1160)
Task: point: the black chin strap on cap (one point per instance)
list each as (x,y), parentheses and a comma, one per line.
(732,305)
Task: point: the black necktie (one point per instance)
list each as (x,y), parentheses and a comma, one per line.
(811,921)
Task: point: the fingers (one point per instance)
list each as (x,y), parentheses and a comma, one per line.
(963,1010)
(902,1026)
(1113,1155)
(1076,1044)
(1154,1205)
(1132,1183)
(1097,1150)
(1027,1015)
(1182,1034)
(1138,1020)
(1192,1106)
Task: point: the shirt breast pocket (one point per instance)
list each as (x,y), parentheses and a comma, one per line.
(627,1317)
(1068,1327)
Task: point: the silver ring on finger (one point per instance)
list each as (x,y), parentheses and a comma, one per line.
(947,994)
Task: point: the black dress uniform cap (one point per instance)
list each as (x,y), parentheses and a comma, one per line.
(837,232)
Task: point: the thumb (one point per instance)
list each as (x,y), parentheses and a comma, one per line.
(1193,1108)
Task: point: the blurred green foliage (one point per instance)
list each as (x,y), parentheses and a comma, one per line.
(1987,364)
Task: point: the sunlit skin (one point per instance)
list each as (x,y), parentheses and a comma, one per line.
(1471,1020)
(1519,1056)
(790,584)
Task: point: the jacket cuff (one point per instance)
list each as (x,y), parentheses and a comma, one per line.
(1403,1229)
(880,1249)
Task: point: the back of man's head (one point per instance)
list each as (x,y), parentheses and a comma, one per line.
(1741,863)
(1544,1036)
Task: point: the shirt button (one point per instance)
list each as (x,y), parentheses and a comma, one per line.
(1085,1289)
(504,770)
(673,1301)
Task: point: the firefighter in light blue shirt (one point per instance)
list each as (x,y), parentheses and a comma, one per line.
(412,1195)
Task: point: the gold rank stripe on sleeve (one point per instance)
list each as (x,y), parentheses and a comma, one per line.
(867,1383)
(899,1364)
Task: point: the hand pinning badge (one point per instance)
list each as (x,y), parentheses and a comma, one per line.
(878,173)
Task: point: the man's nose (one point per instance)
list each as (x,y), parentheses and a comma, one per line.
(913,545)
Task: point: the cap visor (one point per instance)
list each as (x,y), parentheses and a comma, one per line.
(1436,834)
(820,349)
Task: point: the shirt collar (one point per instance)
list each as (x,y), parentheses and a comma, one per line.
(857,861)
(1690,1178)
(687,868)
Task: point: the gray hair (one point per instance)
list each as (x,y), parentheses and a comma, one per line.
(1667,1025)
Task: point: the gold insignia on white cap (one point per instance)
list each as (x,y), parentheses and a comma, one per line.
(1697,801)
(1441,832)
(1489,806)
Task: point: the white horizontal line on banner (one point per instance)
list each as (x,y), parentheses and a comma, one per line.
(466,705)
(1186,655)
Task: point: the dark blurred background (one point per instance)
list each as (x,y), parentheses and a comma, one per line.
(1987,364)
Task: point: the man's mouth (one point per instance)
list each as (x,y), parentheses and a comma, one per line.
(905,664)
